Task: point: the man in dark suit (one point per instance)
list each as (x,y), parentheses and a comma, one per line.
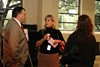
(15,47)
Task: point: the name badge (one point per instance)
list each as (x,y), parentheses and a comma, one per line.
(49,47)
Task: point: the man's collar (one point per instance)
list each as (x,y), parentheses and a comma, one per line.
(18,22)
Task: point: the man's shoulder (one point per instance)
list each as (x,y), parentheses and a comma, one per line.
(11,23)
(12,20)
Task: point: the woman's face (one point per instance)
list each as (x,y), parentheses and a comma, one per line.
(48,22)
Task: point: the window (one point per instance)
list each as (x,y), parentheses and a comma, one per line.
(6,7)
(97,15)
(68,14)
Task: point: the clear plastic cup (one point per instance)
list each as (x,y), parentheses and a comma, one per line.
(48,36)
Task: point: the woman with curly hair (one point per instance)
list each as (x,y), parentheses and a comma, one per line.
(86,42)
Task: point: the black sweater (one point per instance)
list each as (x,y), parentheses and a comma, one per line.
(87,48)
(55,34)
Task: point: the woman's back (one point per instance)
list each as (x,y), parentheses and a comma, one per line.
(85,41)
(87,48)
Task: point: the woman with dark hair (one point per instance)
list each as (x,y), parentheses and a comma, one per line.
(49,40)
(86,42)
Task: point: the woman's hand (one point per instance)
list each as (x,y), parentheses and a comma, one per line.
(46,36)
(56,42)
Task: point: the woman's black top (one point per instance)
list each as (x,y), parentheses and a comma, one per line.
(87,48)
(55,34)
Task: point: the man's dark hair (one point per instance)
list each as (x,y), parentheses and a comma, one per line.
(16,11)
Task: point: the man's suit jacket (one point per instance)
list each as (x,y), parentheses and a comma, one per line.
(15,47)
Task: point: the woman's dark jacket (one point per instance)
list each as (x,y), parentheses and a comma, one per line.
(87,49)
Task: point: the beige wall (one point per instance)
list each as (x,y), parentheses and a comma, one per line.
(38,9)
(87,7)
(31,11)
